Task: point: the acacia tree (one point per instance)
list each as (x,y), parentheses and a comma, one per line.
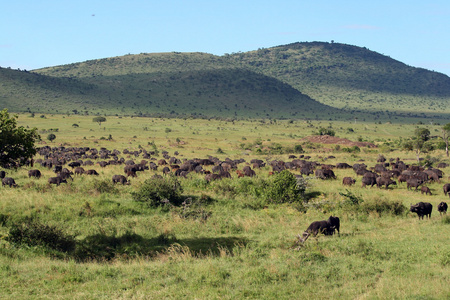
(99,120)
(445,136)
(16,143)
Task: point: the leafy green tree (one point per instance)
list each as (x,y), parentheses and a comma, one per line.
(421,136)
(99,120)
(16,143)
(51,137)
(445,136)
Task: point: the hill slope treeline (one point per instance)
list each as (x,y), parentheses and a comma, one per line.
(300,80)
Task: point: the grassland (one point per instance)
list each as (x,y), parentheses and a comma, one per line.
(244,248)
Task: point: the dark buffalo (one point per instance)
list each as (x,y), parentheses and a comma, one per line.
(92,172)
(442,208)
(34,173)
(9,181)
(2,174)
(325,174)
(368,181)
(413,183)
(348,181)
(56,180)
(79,171)
(425,189)
(120,179)
(422,209)
(326,227)
(74,164)
(385,181)
(446,189)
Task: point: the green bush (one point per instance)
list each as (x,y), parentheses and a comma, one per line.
(157,191)
(33,233)
(285,188)
(103,186)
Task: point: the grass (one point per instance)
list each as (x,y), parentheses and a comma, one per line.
(244,248)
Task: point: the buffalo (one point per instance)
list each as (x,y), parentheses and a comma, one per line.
(56,180)
(385,181)
(92,172)
(120,179)
(413,183)
(446,189)
(425,189)
(442,208)
(2,174)
(422,209)
(9,181)
(348,181)
(326,227)
(34,173)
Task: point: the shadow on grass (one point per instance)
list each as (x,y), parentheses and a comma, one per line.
(103,248)
(312,195)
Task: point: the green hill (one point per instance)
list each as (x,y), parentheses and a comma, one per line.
(300,80)
(351,77)
(111,88)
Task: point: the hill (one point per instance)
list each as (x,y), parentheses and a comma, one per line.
(299,80)
(350,77)
(181,90)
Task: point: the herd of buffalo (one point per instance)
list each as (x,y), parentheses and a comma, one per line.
(384,173)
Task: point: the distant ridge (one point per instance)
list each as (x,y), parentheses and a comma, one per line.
(299,80)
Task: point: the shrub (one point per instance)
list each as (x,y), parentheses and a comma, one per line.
(157,191)
(103,186)
(285,188)
(33,233)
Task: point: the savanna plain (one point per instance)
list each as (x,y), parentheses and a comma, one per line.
(225,239)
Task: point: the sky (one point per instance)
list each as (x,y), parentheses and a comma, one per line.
(42,33)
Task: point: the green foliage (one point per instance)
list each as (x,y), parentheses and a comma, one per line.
(285,188)
(33,233)
(325,131)
(99,120)
(51,137)
(16,143)
(156,192)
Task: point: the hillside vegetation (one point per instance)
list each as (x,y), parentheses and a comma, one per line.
(300,80)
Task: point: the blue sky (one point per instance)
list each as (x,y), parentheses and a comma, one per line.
(42,33)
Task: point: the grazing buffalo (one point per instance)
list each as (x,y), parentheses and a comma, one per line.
(34,173)
(425,189)
(9,181)
(413,183)
(74,164)
(446,189)
(348,181)
(79,171)
(368,181)
(422,209)
(325,174)
(56,180)
(120,179)
(2,174)
(326,227)
(92,172)
(385,181)
(442,208)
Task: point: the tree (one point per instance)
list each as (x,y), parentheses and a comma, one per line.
(16,143)
(51,137)
(445,136)
(99,120)
(421,136)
